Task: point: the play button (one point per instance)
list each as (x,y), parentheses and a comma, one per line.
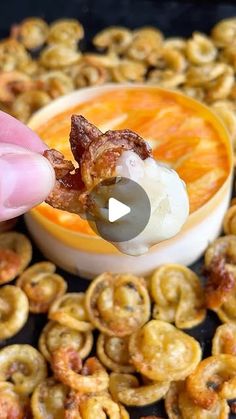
(123,209)
(116,210)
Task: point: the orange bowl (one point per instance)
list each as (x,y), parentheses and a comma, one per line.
(183,133)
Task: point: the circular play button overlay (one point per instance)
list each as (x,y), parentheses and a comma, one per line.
(123,209)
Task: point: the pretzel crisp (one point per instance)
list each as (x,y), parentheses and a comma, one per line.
(22,365)
(41,285)
(67,366)
(220,264)
(160,351)
(15,255)
(48,399)
(118,304)
(179,405)
(55,335)
(126,389)
(178,296)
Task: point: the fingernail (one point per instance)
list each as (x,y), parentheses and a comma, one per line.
(28,181)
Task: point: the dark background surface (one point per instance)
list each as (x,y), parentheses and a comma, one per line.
(173,18)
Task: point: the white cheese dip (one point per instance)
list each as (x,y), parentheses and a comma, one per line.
(168,198)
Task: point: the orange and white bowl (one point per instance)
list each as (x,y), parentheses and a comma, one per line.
(182,132)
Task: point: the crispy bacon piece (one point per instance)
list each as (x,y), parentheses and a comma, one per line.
(219,284)
(7,225)
(151,417)
(96,154)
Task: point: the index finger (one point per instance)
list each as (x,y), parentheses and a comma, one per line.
(15,132)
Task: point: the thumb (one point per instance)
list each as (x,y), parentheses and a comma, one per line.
(26,179)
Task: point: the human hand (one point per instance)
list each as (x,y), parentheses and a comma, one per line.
(26,177)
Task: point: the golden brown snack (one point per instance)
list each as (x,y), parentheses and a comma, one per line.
(178,296)
(190,410)
(29,102)
(100,405)
(233,408)
(172,400)
(223,33)
(113,352)
(124,413)
(56,83)
(227,311)
(58,56)
(24,366)
(117,305)
(55,335)
(14,311)
(151,417)
(228,55)
(7,225)
(128,71)
(104,407)
(224,340)
(11,83)
(202,67)
(213,379)
(69,310)
(48,400)
(108,60)
(168,58)
(96,154)
(159,350)
(31,32)
(201,75)
(72,404)
(113,38)
(67,367)
(145,41)
(226,112)
(42,286)
(12,55)
(200,49)
(88,72)
(220,261)
(66,32)
(12,405)
(167,79)
(126,389)
(31,68)
(179,405)
(176,42)
(15,255)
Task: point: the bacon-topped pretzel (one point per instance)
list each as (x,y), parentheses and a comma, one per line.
(96,154)
(220,267)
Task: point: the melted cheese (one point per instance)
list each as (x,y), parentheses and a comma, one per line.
(167,195)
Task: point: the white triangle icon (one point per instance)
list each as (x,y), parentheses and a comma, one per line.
(116,210)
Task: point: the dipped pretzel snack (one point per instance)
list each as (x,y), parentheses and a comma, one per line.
(96,155)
